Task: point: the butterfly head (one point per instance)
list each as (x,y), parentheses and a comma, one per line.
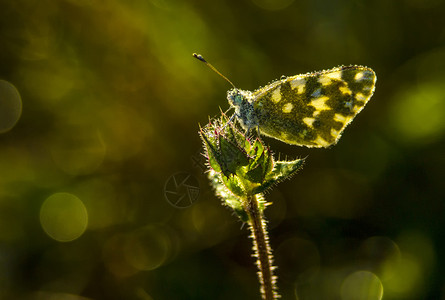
(234,97)
(238,98)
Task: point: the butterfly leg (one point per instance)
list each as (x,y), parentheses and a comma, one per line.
(248,131)
(230,120)
(259,133)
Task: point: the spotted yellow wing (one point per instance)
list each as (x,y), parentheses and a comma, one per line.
(309,110)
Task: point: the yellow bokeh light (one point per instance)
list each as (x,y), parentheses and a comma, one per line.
(10,106)
(417,113)
(362,285)
(63,217)
(99,197)
(114,258)
(384,253)
(407,277)
(147,248)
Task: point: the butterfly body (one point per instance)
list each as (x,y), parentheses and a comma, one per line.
(310,110)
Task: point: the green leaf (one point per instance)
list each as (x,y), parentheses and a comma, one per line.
(282,170)
(211,151)
(231,156)
(262,165)
(237,207)
(285,169)
(234,184)
(257,172)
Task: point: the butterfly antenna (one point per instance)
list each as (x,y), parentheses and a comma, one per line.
(199,57)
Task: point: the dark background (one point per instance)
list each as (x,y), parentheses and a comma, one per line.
(112,98)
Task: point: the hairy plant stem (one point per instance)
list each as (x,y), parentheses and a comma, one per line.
(261,247)
(241,169)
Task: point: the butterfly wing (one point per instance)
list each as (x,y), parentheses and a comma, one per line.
(313,109)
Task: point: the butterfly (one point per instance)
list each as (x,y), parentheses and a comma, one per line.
(309,110)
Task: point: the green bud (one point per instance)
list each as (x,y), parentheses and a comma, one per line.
(239,166)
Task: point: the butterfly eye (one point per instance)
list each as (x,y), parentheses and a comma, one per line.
(235,97)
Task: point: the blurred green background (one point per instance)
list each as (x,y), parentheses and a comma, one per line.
(99,153)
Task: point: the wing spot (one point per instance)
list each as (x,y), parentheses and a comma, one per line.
(360,97)
(309,122)
(335,133)
(367,75)
(299,84)
(356,109)
(345,90)
(359,76)
(320,141)
(339,118)
(334,75)
(320,103)
(287,108)
(324,80)
(316,93)
(276,94)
